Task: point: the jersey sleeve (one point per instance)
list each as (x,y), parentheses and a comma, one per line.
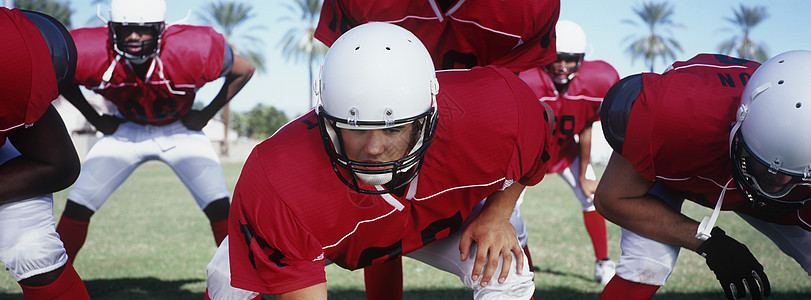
(333,22)
(531,156)
(270,253)
(28,82)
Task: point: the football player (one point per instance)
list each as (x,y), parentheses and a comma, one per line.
(37,156)
(726,133)
(459,35)
(574,88)
(150,70)
(396,177)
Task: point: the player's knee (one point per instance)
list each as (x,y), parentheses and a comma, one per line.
(35,252)
(643,270)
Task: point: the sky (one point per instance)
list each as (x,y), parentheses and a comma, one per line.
(285,84)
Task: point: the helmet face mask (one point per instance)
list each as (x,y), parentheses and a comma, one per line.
(145,17)
(389,175)
(377,76)
(137,50)
(764,184)
(571,48)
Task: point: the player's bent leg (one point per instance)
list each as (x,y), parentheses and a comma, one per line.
(644,262)
(444,255)
(384,281)
(218,281)
(32,252)
(792,240)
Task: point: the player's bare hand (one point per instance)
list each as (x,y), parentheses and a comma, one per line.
(589,186)
(195,120)
(108,124)
(494,237)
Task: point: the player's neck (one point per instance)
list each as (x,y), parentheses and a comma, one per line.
(141,69)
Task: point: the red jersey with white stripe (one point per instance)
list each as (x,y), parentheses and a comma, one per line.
(514,34)
(27,78)
(190,56)
(576,109)
(290,212)
(678,132)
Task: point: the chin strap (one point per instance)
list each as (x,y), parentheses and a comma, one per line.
(390,199)
(704,229)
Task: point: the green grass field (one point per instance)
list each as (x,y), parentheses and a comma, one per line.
(150,241)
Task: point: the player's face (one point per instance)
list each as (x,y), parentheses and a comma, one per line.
(137,39)
(378,145)
(564,66)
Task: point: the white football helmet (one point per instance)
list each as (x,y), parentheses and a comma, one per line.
(377,76)
(771,138)
(570,45)
(128,15)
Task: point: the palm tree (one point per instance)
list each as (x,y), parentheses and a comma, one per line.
(657,18)
(60,10)
(227,17)
(299,42)
(746,18)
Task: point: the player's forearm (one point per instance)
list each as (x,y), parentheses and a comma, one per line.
(318,291)
(74,95)
(240,74)
(500,204)
(622,198)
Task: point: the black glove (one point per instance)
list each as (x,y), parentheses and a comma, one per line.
(734,266)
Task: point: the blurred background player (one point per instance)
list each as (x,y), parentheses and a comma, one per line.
(391,196)
(574,88)
(150,71)
(722,132)
(459,35)
(37,156)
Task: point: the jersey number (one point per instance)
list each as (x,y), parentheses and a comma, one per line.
(162,108)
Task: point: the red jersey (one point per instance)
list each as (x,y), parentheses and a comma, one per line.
(514,34)
(576,109)
(290,212)
(190,56)
(678,132)
(27,78)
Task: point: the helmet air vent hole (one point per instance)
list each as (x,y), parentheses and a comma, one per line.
(798,104)
(780,81)
(357,48)
(388,48)
(781,61)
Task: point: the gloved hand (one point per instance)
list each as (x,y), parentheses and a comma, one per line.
(734,266)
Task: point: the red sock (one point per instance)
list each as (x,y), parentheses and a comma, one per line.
(73,234)
(529,258)
(220,230)
(595,225)
(384,281)
(621,289)
(67,286)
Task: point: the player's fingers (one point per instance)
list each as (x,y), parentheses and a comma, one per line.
(490,267)
(519,258)
(754,290)
(478,263)
(464,246)
(506,258)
